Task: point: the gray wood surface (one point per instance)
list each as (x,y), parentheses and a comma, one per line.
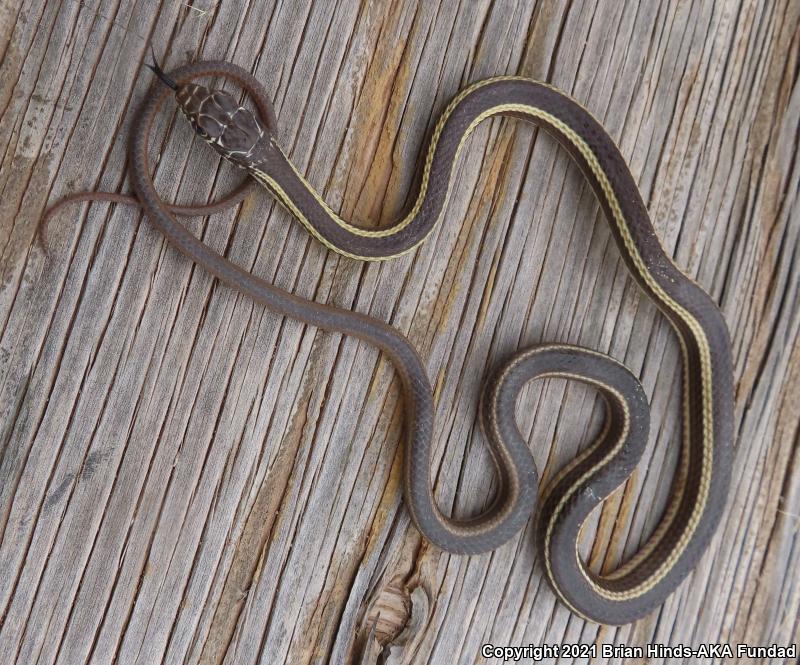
(185,477)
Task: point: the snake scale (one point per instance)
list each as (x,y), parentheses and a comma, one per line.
(700,488)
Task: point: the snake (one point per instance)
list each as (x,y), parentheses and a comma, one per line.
(697,498)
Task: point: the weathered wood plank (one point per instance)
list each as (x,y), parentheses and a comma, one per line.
(185,477)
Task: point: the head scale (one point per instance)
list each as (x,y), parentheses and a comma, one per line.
(232,130)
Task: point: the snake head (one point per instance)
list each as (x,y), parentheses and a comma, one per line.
(232,130)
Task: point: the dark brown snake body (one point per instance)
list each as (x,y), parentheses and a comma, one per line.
(701,485)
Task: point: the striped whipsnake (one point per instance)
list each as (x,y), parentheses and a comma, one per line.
(701,486)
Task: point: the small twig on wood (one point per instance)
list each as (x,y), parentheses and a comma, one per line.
(201,12)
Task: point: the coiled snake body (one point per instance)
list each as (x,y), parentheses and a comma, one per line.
(701,485)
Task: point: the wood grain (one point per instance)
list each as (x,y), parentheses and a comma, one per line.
(186,478)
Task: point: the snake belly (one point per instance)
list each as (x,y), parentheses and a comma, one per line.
(700,488)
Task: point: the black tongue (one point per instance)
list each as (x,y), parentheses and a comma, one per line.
(166,80)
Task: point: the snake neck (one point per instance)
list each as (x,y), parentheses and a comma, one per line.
(275,171)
